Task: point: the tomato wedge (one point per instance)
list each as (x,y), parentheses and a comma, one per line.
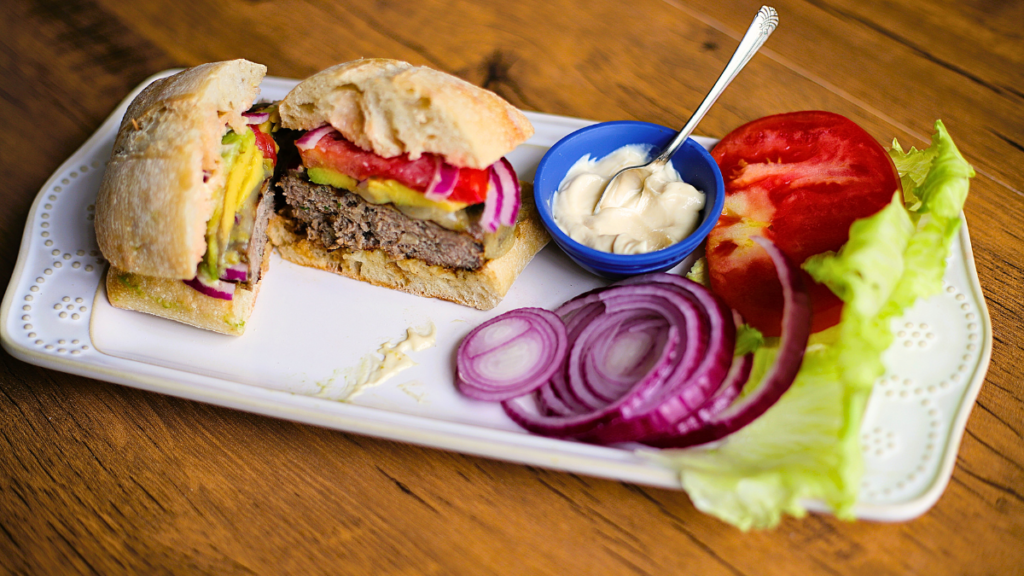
(335,152)
(799,179)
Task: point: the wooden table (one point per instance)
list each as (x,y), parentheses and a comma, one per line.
(96,477)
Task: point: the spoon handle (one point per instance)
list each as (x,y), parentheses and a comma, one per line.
(760,29)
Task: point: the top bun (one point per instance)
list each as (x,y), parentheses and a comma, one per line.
(159,188)
(393,107)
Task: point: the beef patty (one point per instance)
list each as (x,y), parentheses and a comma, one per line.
(258,237)
(339,219)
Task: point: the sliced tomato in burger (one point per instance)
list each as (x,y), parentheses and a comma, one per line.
(799,179)
(265,142)
(335,152)
(471,187)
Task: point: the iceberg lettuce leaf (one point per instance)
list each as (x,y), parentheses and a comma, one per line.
(748,339)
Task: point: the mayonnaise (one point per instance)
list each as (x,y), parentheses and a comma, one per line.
(641,212)
(373,369)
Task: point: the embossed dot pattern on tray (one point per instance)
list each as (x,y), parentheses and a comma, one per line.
(73,263)
(923,392)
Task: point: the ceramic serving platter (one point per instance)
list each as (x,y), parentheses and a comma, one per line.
(313,334)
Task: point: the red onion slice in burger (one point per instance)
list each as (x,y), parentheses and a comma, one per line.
(218,289)
(507,183)
(236,273)
(310,139)
(442,184)
(256,117)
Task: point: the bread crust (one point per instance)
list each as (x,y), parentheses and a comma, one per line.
(482,289)
(174,300)
(153,203)
(392,107)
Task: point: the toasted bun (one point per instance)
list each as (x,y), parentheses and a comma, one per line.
(392,107)
(153,203)
(174,300)
(482,289)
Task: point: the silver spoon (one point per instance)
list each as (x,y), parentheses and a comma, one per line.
(762,27)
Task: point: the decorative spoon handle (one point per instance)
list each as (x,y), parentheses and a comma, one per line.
(760,29)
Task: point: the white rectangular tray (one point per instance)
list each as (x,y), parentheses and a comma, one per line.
(311,330)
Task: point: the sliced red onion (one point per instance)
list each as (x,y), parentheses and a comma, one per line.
(720,400)
(501,208)
(580,315)
(679,363)
(715,352)
(489,220)
(256,117)
(236,273)
(796,329)
(510,355)
(218,289)
(553,403)
(691,383)
(616,363)
(442,184)
(505,179)
(729,390)
(524,411)
(309,140)
(650,359)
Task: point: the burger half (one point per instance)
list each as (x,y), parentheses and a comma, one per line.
(184,203)
(403,182)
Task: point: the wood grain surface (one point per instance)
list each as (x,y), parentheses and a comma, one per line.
(100,478)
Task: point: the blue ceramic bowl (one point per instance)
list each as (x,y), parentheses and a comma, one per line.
(692,161)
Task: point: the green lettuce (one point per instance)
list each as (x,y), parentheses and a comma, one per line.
(748,339)
(806,446)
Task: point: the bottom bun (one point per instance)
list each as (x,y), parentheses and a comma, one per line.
(482,289)
(174,300)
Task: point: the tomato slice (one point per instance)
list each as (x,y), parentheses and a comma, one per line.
(799,179)
(471,187)
(265,142)
(335,152)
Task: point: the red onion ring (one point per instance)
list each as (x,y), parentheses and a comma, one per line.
(442,184)
(236,273)
(673,364)
(796,330)
(501,208)
(690,383)
(510,355)
(217,289)
(492,205)
(309,140)
(506,180)
(650,359)
(256,117)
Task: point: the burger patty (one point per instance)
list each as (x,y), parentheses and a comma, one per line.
(339,219)
(258,238)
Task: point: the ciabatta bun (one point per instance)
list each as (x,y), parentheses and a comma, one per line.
(175,300)
(392,107)
(157,192)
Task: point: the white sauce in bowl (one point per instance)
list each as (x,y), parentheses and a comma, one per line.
(640,214)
